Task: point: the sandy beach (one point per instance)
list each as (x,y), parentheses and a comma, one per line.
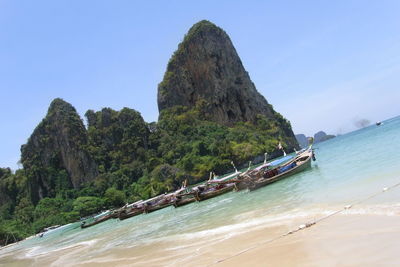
(236,229)
(345,240)
(342,240)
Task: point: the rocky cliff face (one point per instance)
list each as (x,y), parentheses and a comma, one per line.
(207,67)
(207,70)
(302,140)
(55,156)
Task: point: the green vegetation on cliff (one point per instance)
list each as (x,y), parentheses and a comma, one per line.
(55,157)
(197,146)
(135,159)
(210,114)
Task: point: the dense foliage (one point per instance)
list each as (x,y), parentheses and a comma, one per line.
(136,160)
(56,158)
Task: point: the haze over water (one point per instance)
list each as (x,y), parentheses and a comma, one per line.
(349,168)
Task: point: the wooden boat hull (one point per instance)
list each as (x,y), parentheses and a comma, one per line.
(208,195)
(149,209)
(125,215)
(105,218)
(242,185)
(204,195)
(263,182)
(244,182)
(183,202)
(115,214)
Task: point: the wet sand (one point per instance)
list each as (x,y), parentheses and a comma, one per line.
(342,240)
(346,240)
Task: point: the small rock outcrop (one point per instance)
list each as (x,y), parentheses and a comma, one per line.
(321,136)
(206,70)
(302,140)
(55,156)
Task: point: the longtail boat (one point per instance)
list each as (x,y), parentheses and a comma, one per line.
(159,203)
(251,179)
(210,191)
(212,188)
(183,199)
(203,192)
(164,200)
(217,186)
(125,215)
(98,219)
(301,162)
(141,206)
(131,210)
(251,174)
(149,205)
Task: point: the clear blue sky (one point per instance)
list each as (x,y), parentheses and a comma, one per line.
(322,64)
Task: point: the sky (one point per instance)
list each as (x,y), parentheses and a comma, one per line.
(324,65)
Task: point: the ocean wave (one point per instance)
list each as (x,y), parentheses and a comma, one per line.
(43,250)
(243,225)
(201,235)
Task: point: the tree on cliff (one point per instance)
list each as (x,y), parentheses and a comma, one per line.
(210,114)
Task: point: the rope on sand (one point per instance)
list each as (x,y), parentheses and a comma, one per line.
(305,225)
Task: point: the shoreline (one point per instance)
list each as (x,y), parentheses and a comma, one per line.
(342,240)
(351,240)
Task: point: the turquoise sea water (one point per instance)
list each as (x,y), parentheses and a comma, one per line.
(349,168)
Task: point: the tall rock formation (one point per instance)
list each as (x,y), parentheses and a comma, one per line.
(55,156)
(206,69)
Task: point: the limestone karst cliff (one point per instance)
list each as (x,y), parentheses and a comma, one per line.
(207,70)
(302,140)
(210,116)
(319,137)
(55,156)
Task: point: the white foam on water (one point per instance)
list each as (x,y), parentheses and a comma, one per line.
(37,251)
(51,231)
(253,220)
(383,210)
(225,232)
(272,220)
(241,223)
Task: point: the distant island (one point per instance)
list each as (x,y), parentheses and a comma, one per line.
(319,137)
(210,114)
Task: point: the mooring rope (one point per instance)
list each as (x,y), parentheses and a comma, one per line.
(306,225)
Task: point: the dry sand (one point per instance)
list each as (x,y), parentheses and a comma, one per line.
(342,240)
(345,240)
(350,240)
